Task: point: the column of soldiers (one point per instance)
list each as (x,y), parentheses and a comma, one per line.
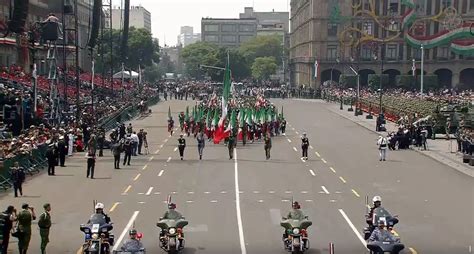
(127,141)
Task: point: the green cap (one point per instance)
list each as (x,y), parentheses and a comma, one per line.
(46,205)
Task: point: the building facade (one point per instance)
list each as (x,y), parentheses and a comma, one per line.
(336,35)
(139,18)
(228,32)
(187,36)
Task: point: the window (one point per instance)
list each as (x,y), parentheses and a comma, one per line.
(332,52)
(368,28)
(228,28)
(211,38)
(417,54)
(446,3)
(464,7)
(420,6)
(229,38)
(366,54)
(428,7)
(211,28)
(471,6)
(247,28)
(244,38)
(392,51)
(393,6)
(332,29)
(443,52)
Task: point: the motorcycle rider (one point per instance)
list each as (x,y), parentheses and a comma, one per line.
(99,209)
(294,214)
(377,202)
(380,234)
(133,244)
(171,214)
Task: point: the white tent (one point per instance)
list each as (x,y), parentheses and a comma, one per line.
(126,74)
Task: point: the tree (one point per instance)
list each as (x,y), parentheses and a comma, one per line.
(263,67)
(153,73)
(200,53)
(142,49)
(263,46)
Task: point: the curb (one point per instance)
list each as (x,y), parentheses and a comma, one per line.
(438,158)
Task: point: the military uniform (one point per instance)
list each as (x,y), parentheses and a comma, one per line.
(382,235)
(132,245)
(304,147)
(181,146)
(230,146)
(267,146)
(24,224)
(44,224)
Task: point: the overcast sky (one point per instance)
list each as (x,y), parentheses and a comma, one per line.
(167,16)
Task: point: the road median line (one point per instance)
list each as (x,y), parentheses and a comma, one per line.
(127,227)
(342,179)
(136,177)
(355,193)
(127,189)
(114,206)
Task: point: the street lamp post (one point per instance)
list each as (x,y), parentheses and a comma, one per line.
(422,67)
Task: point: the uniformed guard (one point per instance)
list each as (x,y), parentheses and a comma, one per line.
(268,145)
(44,224)
(181,145)
(304,146)
(24,226)
(231,146)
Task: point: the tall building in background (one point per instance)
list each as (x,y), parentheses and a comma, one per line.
(324,30)
(187,36)
(139,18)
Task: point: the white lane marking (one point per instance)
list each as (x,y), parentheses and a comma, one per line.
(324,189)
(157,193)
(237,205)
(317,154)
(223,192)
(289,140)
(332,201)
(361,239)
(332,169)
(151,158)
(311,147)
(294,148)
(312,172)
(324,161)
(470,248)
(213,201)
(355,193)
(256,192)
(288,192)
(189,201)
(297,133)
(304,192)
(260,201)
(190,192)
(149,191)
(136,177)
(285,200)
(271,192)
(169,159)
(141,202)
(125,230)
(161,172)
(309,200)
(161,146)
(342,179)
(175,149)
(157,151)
(302,159)
(144,167)
(207,192)
(140,193)
(292,128)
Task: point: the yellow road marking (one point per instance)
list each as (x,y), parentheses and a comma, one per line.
(323,160)
(113,207)
(332,169)
(355,193)
(127,189)
(151,158)
(144,167)
(317,154)
(136,177)
(413,251)
(342,179)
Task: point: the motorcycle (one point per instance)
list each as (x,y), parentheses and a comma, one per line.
(385,247)
(98,238)
(380,213)
(172,239)
(296,238)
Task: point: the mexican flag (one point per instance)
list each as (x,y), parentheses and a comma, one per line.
(220,132)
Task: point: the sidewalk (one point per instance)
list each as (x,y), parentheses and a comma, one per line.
(441,150)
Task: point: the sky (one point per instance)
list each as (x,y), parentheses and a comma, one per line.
(167,16)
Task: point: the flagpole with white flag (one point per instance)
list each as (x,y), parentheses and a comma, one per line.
(35,88)
(316,69)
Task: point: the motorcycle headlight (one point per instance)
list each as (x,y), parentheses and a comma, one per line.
(172,231)
(95,236)
(296,231)
(87,230)
(104,230)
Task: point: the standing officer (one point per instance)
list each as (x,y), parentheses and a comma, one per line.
(201,143)
(62,150)
(17,178)
(116,151)
(181,145)
(9,216)
(90,155)
(268,145)
(50,155)
(44,224)
(127,148)
(231,146)
(140,141)
(24,225)
(304,146)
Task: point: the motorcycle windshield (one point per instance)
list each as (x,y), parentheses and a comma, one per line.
(97,219)
(289,224)
(172,224)
(381,213)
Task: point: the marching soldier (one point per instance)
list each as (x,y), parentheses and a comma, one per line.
(181,145)
(304,146)
(268,145)
(44,224)
(231,146)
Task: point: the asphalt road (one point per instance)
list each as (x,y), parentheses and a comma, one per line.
(234,206)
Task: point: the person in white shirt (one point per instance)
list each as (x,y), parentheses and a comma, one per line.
(382,142)
(70,143)
(135,140)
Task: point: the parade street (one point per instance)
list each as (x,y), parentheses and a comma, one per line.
(235,206)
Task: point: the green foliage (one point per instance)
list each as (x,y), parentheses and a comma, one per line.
(200,53)
(153,73)
(429,82)
(263,46)
(142,49)
(263,67)
(348,81)
(374,81)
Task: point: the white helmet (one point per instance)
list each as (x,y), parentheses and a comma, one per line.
(99,206)
(377,199)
